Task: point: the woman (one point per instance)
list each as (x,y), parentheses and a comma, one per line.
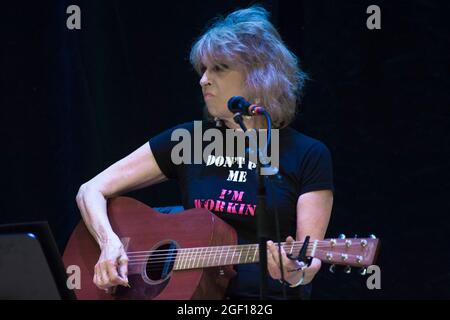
(240,55)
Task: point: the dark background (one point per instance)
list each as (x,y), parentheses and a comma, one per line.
(75,101)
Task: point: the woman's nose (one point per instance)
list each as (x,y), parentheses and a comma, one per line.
(204,80)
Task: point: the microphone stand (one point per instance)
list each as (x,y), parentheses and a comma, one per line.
(262,226)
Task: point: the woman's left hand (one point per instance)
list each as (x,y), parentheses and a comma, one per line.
(292,277)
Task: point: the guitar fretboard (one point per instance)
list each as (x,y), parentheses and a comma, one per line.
(192,258)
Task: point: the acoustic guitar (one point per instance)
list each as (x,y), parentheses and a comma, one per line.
(187,255)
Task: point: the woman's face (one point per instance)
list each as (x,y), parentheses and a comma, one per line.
(219,83)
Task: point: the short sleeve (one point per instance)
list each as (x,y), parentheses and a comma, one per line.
(316,169)
(161,146)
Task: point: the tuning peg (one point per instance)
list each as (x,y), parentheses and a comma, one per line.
(363,271)
(372,236)
(332,268)
(348,269)
(342,236)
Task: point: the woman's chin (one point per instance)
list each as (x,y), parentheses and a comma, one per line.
(213,112)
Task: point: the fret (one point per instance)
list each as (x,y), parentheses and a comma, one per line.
(175,264)
(202,255)
(292,247)
(240,254)
(192,258)
(188,258)
(177,261)
(185,251)
(200,258)
(180,253)
(214,257)
(221,254)
(209,256)
(248,251)
(254,257)
(194,252)
(226,262)
(234,251)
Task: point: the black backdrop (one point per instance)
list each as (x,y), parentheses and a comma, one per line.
(75,101)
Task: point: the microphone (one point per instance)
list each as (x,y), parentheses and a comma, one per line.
(239,104)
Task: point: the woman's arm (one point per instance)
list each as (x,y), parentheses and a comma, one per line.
(313,215)
(137,170)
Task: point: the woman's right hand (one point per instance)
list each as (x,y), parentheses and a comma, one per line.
(112,266)
(137,170)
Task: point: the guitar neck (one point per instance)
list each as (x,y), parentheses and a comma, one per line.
(357,252)
(193,258)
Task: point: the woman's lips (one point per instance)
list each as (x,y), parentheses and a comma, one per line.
(208,95)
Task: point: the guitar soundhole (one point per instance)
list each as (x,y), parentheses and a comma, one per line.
(160,262)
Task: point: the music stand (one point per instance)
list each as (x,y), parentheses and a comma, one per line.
(31,267)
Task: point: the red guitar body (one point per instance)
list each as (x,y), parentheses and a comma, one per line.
(143,229)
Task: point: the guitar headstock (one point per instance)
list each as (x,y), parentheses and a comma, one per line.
(351,252)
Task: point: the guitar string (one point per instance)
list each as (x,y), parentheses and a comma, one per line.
(184,254)
(188,258)
(241,245)
(296,244)
(193,255)
(188,263)
(213,251)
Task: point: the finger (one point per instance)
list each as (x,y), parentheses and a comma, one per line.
(103,274)
(275,249)
(123,268)
(272,266)
(272,247)
(284,257)
(289,239)
(290,244)
(95,280)
(113,275)
(287,263)
(98,281)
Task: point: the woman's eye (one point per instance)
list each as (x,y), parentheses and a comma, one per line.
(216,68)
(221,67)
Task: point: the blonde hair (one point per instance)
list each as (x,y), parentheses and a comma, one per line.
(247,40)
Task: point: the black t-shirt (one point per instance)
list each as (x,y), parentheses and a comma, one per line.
(228,188)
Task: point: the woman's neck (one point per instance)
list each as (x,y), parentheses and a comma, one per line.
(256,122)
